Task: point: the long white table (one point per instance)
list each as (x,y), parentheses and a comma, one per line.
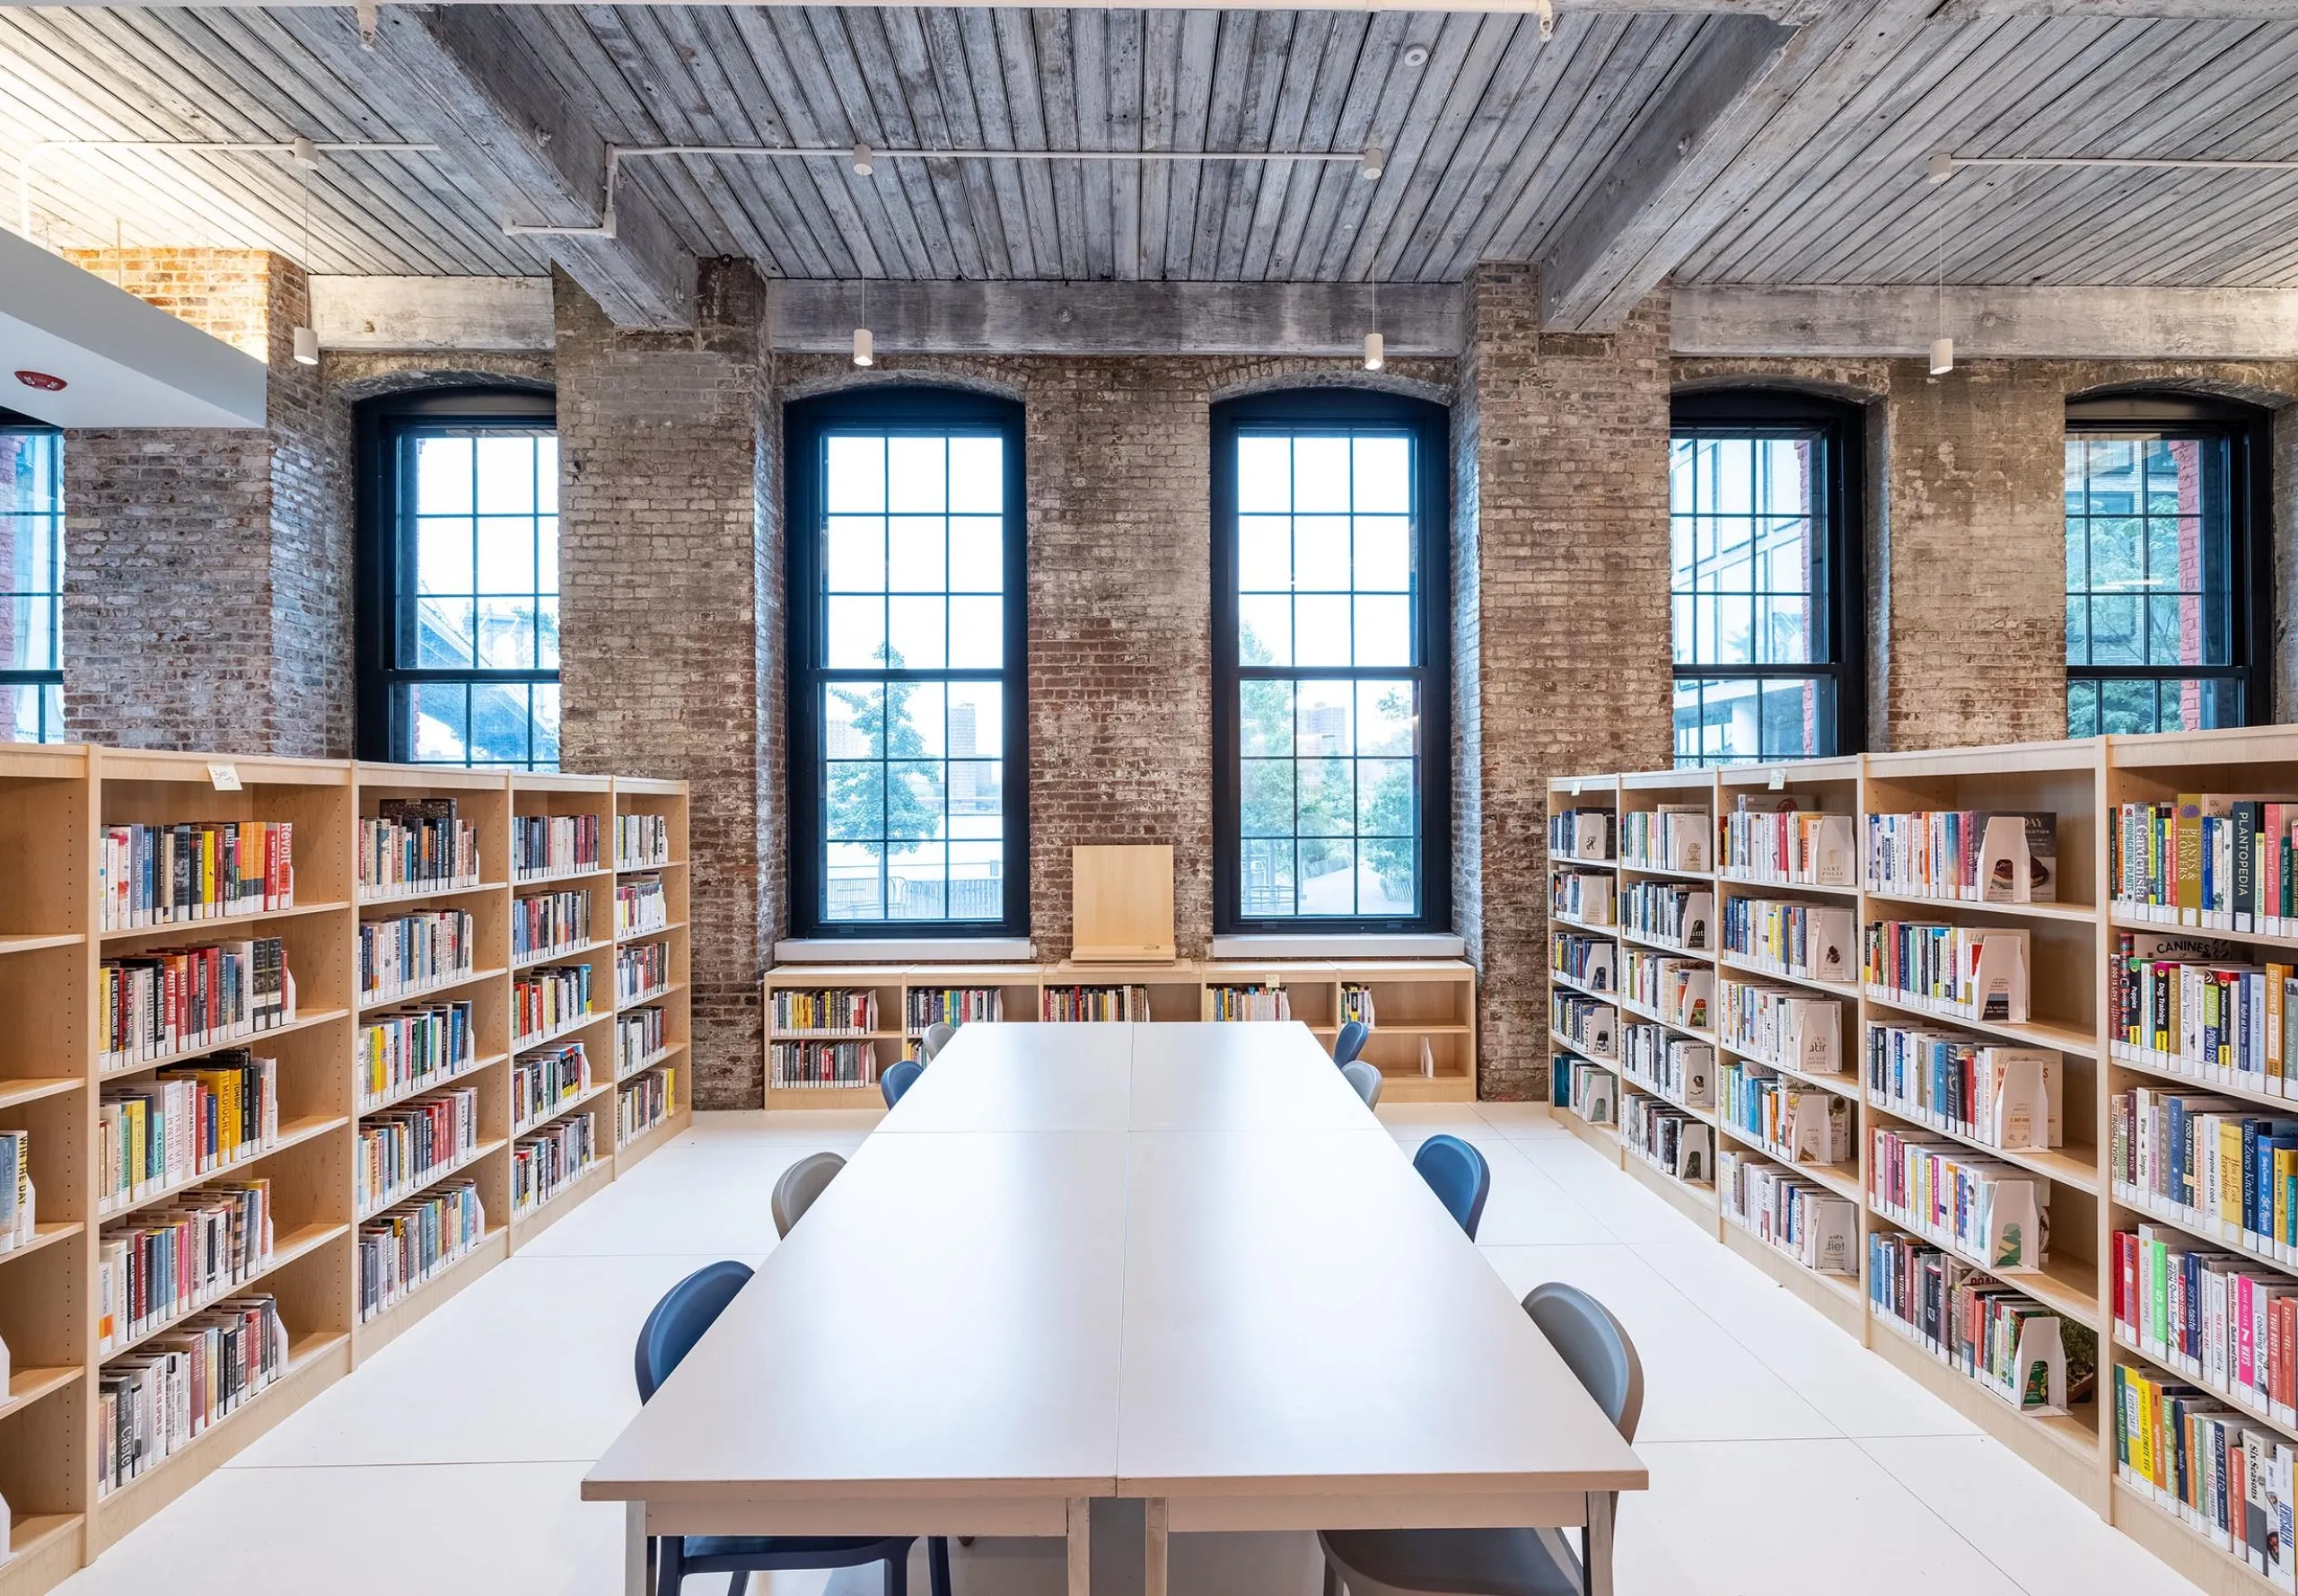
(1175,1263)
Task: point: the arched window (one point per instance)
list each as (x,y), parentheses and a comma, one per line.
(909,724)
(2170,571)
(31,579)
(1331,674)
(458,614)
(1765,494)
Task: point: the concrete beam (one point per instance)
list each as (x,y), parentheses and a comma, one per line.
(472,85)
(1989,323)
(1114,318)
(483,315)
(1774,8)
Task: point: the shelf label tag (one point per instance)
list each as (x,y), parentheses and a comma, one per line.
(1575,789)
(1778,780)
(224,774)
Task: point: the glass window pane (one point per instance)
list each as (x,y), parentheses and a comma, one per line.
(1384,798)
(854,720)
(444,633)
(1383,554)
(1265,876)
(2078,631)
(506,554)
(976,633)
(442,555)
(547,474)
(2125,707)
(1735,619)
(1264,476)
(2081,709)
(917,476)
(918,881)
(1265,798)
(856,636)
(1324,726)
(852,884)
(976,880)
(443,484)
(1385,717)
(1321,629)
(855,473)
(1264,553)
(1321,553)
(854,550)
(977,798)
(501,721)
(1383,630)
(507,634)
(1264,718)
(2115,637)
(1321,474)
(439,716)
(31,641)
(856,800)
(1383,476)
(976,719)
(916,550)
(1784,630)
(976,554)
(1792,715)
(506,476)
(1327,803)
(913,798)
(917,634)
(977,476)
(911,707)
(1386,879)
(1265,631)
(546,611)
(1327,879)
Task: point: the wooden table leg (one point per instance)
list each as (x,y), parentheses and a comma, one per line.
(1080,1547)
(1598,1560)
(635,1568)
(1156,1514)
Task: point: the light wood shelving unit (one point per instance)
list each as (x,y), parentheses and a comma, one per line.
(1412,999)
(54,801)
(2074,943)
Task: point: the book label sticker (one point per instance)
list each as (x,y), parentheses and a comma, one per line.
(1778,780)
(224,774)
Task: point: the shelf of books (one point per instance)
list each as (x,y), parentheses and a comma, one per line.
(314,966)
(2005,1051)
(832,1029)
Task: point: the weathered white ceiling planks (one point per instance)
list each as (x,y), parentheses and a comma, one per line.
(1493,140)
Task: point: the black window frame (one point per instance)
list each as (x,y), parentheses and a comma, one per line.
(2249,430)
(1775,412)
(13,421)
(1329,410)
(383,580)
(916,409)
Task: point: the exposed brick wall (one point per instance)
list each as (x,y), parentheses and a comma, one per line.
(207,572)
(1570,615)
(663,534)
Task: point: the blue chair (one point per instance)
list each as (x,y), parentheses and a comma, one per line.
(1458,1176)
(1365,1079)
(900,1079)
(1596,1348)
(1350,1042)
(686,1311)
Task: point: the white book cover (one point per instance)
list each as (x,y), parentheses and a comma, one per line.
(1833,945)
(1999,977)
(2020,1114)
(1836,861)
(1699,913)
(1815,1035)
(2012,1234)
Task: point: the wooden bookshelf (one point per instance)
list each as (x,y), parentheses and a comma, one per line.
(2073,944)
(1412,1001)
(54,803)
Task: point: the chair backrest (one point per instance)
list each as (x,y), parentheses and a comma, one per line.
(1350,1042)
(898,1079)
(1458,1176)
(1596,1347)
(686,1310)
(1365,1079)
(800,1185)
(937,1036)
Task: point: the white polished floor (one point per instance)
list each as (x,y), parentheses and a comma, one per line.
(1785,1460)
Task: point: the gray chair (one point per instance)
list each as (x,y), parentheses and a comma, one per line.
(1503,1561)
(937,1036)
(1365,1079)
(800,1185)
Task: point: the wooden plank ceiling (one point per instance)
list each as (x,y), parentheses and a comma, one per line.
(1492,137)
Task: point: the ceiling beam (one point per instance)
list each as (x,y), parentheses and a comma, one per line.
(1900,319)
(1114,318)
(1772,8)
(2210,10)
(468,80)
(489,315)
(1724,127)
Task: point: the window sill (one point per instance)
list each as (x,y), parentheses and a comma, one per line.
(1421,944)
(909,949)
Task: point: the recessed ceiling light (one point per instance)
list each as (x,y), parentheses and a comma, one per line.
(1415,55)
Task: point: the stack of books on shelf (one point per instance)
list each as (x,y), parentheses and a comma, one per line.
(832,1010)
(1795,1123)
(547,1163)
(822,1064)
(1672,1143)
(1585,897)
(641,841)
(547,922)
(402,1147)
(1065,1004)
(1970,855)
(1672,837)
(1669,912)
(1789,1031)
(553,845)
(19,1199)
(1674,1067)
(1786,838)
(178,1256)
(643,1104)
(2191,1006)
(1982,1210)
(172,1001)
(2213,1164)
(1588,1023)
(1678,990)
(641,972)
(1581,834)
(546,1081)
(414,952)
(2214,860)
(1814,941)
(197,870)
(640,906)
(1248,1002)
(2215,1317)
(414,1242)
(2012,1097)
(1590,961)
(414,845)
(545,1002)
(1817,1228)
(184,1123)
(398,1052)
(1587,1091)
(1964,972)
(2192,1455)
(1355,1004)
(953,1006)
(2018,1350)
(638,1036)
(158,1399)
